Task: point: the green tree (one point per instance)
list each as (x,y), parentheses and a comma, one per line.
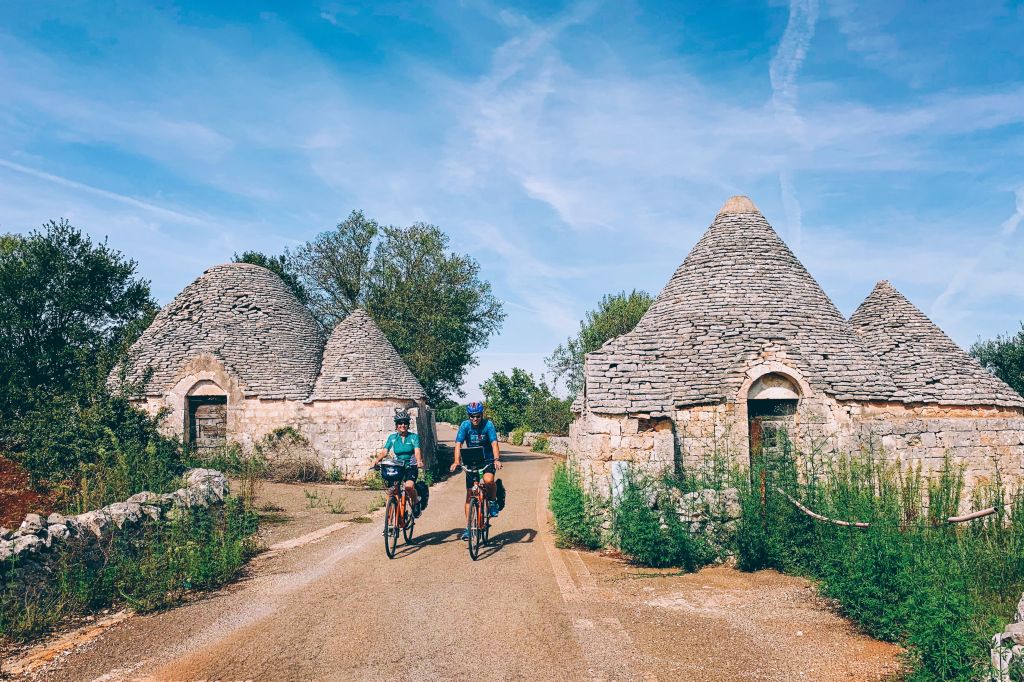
(516,400)
(616,314)
(431,304)
(279,265)
(507,397)
(1004,357)
(68,307)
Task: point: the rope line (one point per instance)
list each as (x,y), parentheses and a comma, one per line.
(861,524)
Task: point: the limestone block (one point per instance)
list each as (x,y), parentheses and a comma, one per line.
(124,513)
(145,497)
(94,522)
(57,532)
(33,524)
(28,544)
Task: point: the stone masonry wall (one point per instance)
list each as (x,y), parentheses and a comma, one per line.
(982,438)
(28,553)
(344,433)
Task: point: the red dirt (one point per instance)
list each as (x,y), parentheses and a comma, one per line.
(17,497)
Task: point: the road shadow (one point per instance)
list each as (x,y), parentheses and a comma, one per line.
(522,456)
(509,537)
(437,537)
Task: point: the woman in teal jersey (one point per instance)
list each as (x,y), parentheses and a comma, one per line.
(406,447)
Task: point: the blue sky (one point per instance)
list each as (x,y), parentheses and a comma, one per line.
(574,150)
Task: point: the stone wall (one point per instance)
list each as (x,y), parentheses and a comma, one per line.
(29,550)
(981,438)
(344,433)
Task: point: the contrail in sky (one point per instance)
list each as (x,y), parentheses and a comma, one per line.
(113,196)
(803,15)
(996,245)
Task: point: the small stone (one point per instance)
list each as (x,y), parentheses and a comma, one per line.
(58,531)
(1016,632)
(145,497)
(28,543)
(32,525)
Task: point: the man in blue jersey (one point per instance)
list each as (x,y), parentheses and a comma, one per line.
(479,432)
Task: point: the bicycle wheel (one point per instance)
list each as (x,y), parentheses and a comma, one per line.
(473,526)
(391,527)
(410,522)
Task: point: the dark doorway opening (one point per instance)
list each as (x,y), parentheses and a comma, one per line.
(770,422)
(207,422)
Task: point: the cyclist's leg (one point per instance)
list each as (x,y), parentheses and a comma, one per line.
(470,480)
(489,486)
(410,485)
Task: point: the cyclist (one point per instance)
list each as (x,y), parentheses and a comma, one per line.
(479,432)
(406,446)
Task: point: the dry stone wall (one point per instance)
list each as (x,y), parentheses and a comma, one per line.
(28,552)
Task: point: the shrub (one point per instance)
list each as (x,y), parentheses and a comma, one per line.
(289,457)
(516,437)
(540,444)
(576,520)
(653,537)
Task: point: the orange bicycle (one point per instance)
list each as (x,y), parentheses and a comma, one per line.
(398,515)
(478,523)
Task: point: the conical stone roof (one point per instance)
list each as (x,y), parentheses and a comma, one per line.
(360,363)
(926,365)
(244,316)
(740,296)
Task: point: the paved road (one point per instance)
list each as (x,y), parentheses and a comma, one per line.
(339,609)
(335,608)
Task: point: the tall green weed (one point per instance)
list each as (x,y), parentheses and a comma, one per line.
(646,526)
(576,520)
(940,590)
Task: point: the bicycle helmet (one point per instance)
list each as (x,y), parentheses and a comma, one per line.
(475,408)
(401,417)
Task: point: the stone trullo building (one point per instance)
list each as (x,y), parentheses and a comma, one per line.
(743,341)
(235,356)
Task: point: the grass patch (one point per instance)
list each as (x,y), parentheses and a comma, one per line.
(202,549)
(540,444)
(362,519)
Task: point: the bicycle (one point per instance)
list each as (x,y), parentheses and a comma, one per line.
(398,514)
(478,523)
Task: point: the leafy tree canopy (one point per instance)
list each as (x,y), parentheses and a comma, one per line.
(516,400)
(1004,357)
(67,308)
(616,314)
(279,265)
(432,304)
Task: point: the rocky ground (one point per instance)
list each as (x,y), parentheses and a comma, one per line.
(325,603)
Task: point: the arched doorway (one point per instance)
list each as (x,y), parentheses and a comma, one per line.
(206,416)
(772,402)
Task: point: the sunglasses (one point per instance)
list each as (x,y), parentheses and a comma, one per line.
(476,416)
